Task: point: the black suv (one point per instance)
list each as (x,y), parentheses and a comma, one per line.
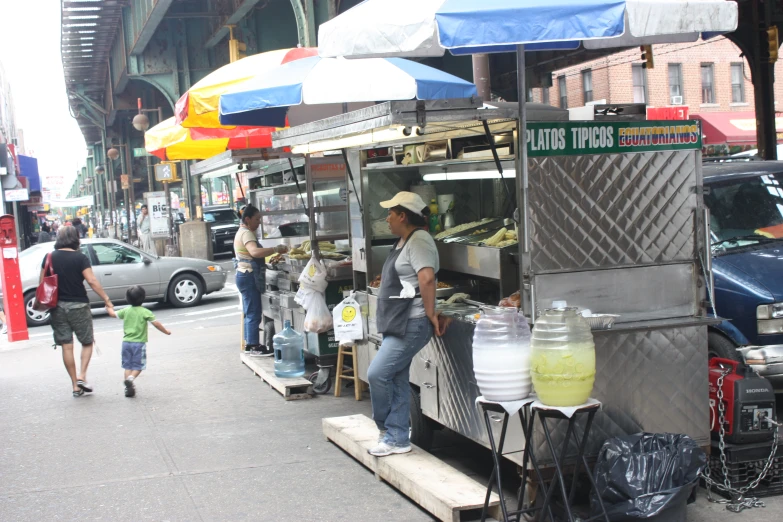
(224,222)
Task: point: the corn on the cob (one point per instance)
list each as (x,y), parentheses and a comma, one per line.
(497,238)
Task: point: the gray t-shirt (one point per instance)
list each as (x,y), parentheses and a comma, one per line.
(418,253)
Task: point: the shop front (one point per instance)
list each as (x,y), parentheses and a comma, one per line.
(727,133)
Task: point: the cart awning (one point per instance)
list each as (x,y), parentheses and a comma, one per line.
(732,127)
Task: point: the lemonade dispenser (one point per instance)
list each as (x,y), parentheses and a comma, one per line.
(562,357)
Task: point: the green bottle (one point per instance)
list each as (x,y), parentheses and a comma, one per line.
(434,217)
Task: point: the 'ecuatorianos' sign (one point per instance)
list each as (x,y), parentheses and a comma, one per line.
(588,137)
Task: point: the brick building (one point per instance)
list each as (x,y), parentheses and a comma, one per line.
(706,76)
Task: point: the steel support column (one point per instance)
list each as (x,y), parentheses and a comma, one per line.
(305,22)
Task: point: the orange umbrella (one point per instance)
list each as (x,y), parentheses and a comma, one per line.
(170,141)
(199,106)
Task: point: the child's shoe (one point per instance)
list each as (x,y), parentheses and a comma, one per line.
(130,389)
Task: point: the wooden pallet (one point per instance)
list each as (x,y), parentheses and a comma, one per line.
(445,492)
(291,388)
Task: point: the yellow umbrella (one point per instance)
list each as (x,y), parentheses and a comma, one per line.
(199,106)
(170,141)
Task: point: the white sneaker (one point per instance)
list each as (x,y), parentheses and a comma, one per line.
(381,435)
(383,449)
(4,329)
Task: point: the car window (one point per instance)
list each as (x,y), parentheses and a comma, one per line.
(111,254)
(221,216)
(750,208)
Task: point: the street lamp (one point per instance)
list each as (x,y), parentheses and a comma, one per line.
(141,123)
(100,171)
(113,153)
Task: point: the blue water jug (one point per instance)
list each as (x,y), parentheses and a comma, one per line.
(289,352)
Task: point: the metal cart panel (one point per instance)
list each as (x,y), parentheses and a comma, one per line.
(602,211)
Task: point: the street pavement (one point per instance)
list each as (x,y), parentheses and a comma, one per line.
(204,439)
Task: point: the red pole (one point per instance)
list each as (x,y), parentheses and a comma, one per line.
(13,299)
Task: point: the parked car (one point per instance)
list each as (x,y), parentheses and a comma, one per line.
(180,281)
(745,199)
(224,221)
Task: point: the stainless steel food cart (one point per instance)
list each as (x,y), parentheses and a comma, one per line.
(300,199)
(610,218)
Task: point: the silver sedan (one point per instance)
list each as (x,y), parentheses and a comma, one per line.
(180,281)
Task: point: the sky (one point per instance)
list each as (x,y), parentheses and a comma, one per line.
(30,54)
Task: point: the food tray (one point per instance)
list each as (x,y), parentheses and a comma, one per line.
(440,293)
(495,223)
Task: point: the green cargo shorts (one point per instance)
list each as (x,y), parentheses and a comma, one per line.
(70,318)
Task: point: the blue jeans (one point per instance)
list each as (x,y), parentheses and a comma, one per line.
(251,305)
(389,375)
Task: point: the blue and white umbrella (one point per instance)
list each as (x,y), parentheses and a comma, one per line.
(312,84)
(429,27)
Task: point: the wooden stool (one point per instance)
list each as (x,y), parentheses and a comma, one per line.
(358,386)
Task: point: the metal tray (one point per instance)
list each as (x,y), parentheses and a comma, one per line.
(494,223)
(440,293)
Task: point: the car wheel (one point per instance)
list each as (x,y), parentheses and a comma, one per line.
(34,317)
(720,346)
(185,290)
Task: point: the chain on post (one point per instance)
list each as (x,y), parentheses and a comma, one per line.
(738,501)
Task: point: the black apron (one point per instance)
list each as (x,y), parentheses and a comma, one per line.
(392,314)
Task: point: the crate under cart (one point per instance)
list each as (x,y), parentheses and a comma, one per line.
(745,462)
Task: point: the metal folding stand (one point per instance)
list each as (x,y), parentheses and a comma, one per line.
(527,416)
(544,413)
(488,407)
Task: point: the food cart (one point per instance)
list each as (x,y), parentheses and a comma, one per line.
(302,200)
(609,218)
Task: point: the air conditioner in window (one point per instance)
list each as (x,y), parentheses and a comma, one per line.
(676,100)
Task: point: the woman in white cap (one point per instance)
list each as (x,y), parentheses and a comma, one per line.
(406,324)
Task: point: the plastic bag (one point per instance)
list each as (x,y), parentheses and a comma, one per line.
(348,323)
(640,476)
(318,318)
(313,276)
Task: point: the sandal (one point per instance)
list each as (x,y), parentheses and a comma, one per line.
(78,393)
(84,386)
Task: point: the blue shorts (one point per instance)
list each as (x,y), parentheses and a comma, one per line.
(134,356)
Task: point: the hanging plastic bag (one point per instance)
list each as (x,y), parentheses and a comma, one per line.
(313,276)
(348,323)
(318,318)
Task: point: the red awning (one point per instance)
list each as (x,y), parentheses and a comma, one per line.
(732,127)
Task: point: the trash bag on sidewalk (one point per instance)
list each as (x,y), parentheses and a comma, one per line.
(645,475)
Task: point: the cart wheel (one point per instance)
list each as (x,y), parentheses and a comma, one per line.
(421,426)
(322,387)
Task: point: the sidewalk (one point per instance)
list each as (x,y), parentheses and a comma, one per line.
(204,440)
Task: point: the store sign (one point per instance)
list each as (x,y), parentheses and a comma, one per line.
(17,195)
(679,112)
(125,181)
(587,137)
(329,167)
(156,203)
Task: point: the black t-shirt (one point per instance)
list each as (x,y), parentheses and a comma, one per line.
(69,267)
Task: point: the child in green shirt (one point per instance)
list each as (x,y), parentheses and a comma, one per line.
(134,343)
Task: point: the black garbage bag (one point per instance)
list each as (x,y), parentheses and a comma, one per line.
(640,476)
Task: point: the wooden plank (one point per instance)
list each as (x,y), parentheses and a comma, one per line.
(431,483)
(291,389)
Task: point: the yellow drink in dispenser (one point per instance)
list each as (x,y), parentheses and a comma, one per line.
(562,358)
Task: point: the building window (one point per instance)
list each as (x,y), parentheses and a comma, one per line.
(707,83)
(675,84)
(545,95)
(561,86)
(639,83)
(587,86)
(737,83)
